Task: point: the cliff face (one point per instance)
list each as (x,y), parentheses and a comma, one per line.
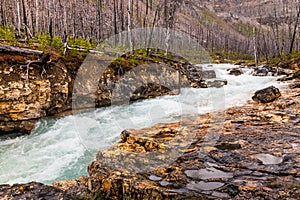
(31,91)
(24,98)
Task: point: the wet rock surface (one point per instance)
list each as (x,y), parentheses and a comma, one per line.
(296,74)
(266,70)
(33,191)
(267,95)
(236,71)
(256,156)
(263,71)
(216,83)
(290,76)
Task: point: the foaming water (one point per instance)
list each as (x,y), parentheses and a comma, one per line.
(60,149)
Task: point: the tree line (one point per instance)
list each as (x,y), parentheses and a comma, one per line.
(90,19)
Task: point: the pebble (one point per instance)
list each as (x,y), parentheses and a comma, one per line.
(164,183)
(155,178)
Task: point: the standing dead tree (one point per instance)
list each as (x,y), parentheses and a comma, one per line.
(295,28)
(170,9)
(129,25)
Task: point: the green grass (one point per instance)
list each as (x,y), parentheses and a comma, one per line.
(230,55)
(46,40)
(80,42)
(43,40)
(286,60)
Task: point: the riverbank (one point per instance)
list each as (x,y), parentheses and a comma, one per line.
(36,86)
(256,155)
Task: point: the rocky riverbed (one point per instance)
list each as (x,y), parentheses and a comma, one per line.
(255,155)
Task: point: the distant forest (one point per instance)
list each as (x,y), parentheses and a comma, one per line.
(264,28)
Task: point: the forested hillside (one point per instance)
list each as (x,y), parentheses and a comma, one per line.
(220,26)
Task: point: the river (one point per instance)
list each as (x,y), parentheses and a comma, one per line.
(60,149)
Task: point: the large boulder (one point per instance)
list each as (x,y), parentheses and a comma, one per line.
(266,70)
(267,95)
(209,74)
(263,71)
(290,76)
(235,71)
(297,74)
(216,83)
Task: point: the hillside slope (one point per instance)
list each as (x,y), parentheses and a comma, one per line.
(232,25)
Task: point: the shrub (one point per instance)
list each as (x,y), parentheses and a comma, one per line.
(80,42)
(7,34)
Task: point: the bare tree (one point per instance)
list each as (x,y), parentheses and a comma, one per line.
(170,9)
(295,29)
(115,18)
(122,17)
(254,46)
(129,25)
(17,3)
(37,21)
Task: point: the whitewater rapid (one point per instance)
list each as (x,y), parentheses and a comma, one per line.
(60,149)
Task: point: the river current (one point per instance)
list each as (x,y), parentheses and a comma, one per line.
(60,149)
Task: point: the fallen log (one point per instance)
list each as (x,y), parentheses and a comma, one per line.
(167,59)
(81,49)
(20,50)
